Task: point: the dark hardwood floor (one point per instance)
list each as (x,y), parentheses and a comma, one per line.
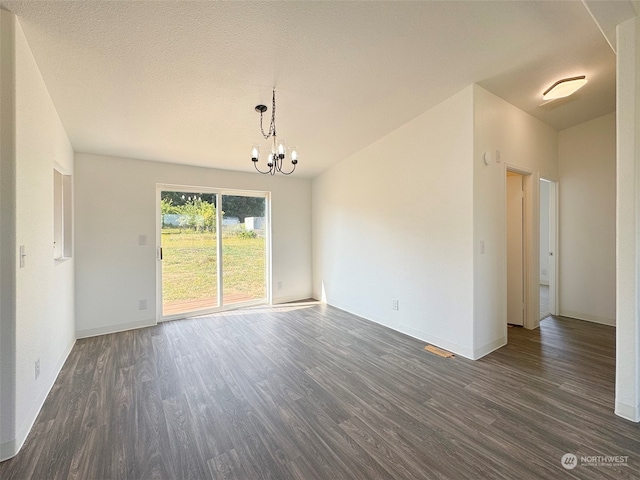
(311,392)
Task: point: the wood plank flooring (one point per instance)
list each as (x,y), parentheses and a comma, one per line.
(310,392)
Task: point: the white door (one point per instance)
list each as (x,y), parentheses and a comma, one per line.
(515,251)
(547,248)
(553,258)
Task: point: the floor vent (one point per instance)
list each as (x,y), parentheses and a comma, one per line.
(438,351)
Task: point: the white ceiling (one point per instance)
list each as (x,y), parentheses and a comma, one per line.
(178,81)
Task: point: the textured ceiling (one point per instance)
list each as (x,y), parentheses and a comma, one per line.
(178,81)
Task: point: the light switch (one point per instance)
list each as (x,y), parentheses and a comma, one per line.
(142,239)
(482,247)
(23,254)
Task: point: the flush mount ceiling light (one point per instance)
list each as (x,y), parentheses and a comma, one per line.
(278,147)
(564,88)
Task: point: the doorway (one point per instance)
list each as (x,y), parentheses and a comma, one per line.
(548,256)
(516,279)
(188,251)
(212,250)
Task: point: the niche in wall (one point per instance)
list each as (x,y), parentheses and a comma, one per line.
(62,216)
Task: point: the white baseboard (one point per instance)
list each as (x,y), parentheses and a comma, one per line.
(8,449)
(290,298)
(488,348)
(438,342)
(471,354)
(588,317)
(121,327)
(11,448)
(628,412)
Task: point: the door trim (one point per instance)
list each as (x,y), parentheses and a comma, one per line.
(531,229)
(516,273)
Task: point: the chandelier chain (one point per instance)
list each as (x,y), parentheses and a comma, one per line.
(272,126)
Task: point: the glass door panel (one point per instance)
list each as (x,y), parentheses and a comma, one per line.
(243,249)
(189,252)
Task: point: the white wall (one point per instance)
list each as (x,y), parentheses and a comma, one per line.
(394,221)
(587,200)
(382,232)
(116,202)
(544,232)
(528,145)
(44,288)
(628,218)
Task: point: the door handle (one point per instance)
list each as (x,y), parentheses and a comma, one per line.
(159,253)
(551,254)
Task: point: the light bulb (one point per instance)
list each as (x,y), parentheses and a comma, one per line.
(282,148)
(255,153)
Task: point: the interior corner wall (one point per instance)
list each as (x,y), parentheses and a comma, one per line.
(587,220)
(116,202)
(44,304)
(394,221)
(525,144)
(628,218)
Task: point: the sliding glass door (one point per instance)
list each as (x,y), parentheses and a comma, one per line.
(244,248)
(212,250)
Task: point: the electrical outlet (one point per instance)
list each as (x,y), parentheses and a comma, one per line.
(37,368)
(279,285)
(142,305)
(544,271)
(394,304)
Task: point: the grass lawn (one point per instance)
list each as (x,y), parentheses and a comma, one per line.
(189,266)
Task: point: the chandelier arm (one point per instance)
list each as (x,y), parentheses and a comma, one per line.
(289,173)
(255,164)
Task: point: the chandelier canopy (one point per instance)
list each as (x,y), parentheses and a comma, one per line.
(279,149)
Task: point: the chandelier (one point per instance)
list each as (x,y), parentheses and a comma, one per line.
(278,147)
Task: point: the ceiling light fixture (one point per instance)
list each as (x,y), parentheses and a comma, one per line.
(278,147)
(564,88)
